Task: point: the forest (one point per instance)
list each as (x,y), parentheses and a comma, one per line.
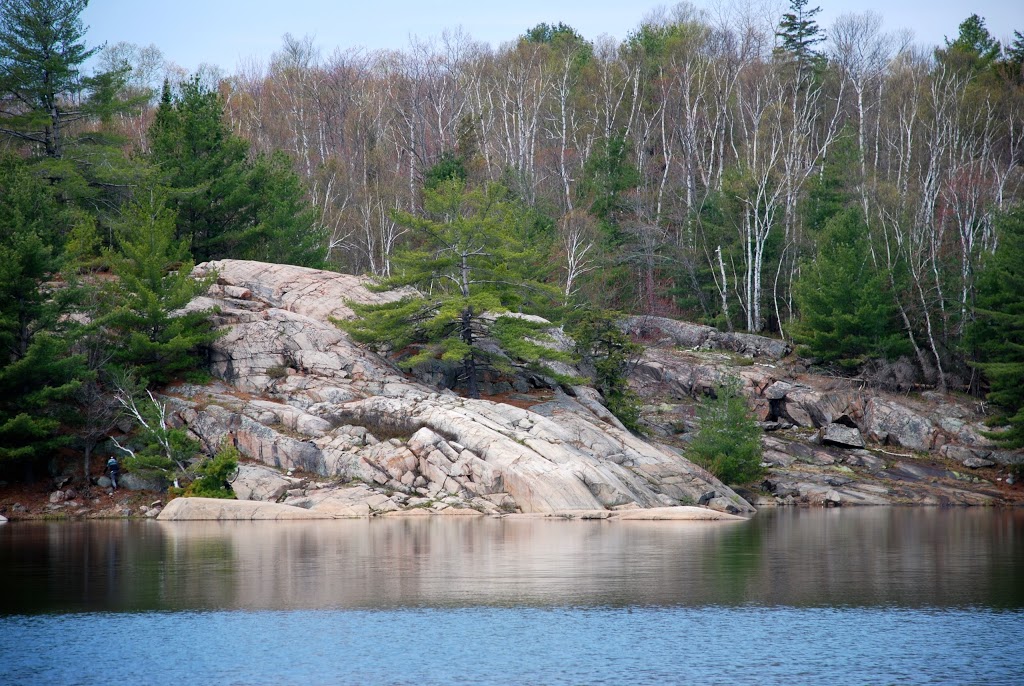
(839,187)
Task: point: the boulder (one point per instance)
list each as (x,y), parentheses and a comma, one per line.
(886,421)
(257,482)
(1007,457)
(778,390)
(977,463)
(962,454)
(687,335)
(193,509)
(137,481)
(841,435)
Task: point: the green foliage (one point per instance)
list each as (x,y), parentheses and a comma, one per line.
(728,443)
(41,53)
(449,167)
(607,176)
(214,475)
(799,32)
(471,258)
(974,47)
(604,348)
(528,341)
(159,446)
(283,227)
(998,333)
(1015,51)
(226,205)
(550,33)
(154,281)
(834,190)
(38,375)
(847,314)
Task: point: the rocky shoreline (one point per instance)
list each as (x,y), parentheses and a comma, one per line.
(326,426)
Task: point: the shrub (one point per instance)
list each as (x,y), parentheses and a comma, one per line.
(728,443)
(215,475)
(604,348)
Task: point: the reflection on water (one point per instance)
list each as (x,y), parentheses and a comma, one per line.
(865,557)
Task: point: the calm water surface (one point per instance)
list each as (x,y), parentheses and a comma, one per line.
(845,596)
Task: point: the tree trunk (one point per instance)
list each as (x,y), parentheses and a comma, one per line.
(469,362)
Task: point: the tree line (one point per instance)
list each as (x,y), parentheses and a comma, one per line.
(841,189)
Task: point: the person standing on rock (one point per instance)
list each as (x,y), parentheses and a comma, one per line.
(114,469)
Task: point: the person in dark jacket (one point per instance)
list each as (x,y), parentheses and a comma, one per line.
(114,469)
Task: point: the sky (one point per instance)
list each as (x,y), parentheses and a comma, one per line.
(228,33)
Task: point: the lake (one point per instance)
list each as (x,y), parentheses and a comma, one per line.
(878,595)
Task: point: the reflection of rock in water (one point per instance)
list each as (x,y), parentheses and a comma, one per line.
(453,561)
(823,558)
(875,556)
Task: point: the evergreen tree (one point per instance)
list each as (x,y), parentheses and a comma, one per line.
(473,258)
(607,177)
(227,206)
(609,352)
(550,33)
(41,86)
(38,375)
(1015,51)
(846,312)
(998,332)
(203,164)
(799,32)
(282,225)
(834,190)
(974,47)
(154,282)
(728,442)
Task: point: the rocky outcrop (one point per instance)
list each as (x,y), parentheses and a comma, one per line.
(835,442)
(188,509)
(663,331)
(296,394)
(335,430)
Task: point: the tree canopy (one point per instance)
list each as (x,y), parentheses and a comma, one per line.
(226,204)
(472,257)
(998,333)
(43,92)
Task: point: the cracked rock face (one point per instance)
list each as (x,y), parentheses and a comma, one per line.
(296,394)
(833,441)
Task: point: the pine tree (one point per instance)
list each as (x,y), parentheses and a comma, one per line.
(607,350)
(226,205)
(38,374)
(998,332)
(43,93)
(974,47)
(728,442)
(847,314)
(154,282)
(473,258)
(799,33)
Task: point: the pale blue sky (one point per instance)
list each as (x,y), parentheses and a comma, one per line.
(226,32)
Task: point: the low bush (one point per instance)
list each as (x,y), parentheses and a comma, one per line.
(728,443)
